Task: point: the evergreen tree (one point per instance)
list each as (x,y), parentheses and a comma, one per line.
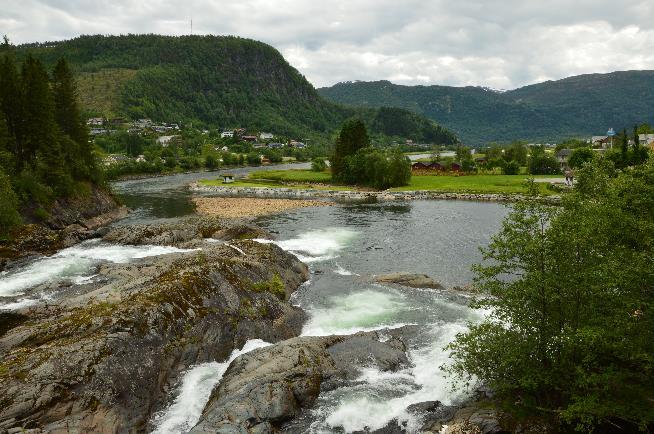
(353,136)
(42,136)
(78,152)
(11,104)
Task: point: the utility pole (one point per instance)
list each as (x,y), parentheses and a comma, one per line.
(191,26)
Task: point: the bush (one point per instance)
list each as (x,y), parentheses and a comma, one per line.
(210,161)
(254,159)
(377,168)
(580,156)
(511,168)
(318,164)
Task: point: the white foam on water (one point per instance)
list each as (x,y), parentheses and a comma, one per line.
(316,246)
(194,392)
(75,263)
(20,304)
(343,272)
(360,311)
(375,410)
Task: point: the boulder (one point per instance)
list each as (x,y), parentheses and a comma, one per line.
(409,279)
(265,388)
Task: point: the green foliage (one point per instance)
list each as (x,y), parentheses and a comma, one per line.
(211,162)
(541,163)
(511,168)
(352,138)
(377,168)
(43,141)
(549,111)
(318,164)
(217,81)
(570,294)
(9,216)
(580,156)
(275,286)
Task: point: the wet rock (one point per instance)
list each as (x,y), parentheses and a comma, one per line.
(267,387)
(350,354)
(240,231)
(106,357)
(178,234)
(409,279)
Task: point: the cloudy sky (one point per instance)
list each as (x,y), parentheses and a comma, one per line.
(500,44)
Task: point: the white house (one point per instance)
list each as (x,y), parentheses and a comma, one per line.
(165,140)
(140,159)
(602,141)
(95,122)
(225,134)
(266,136)
(646,139)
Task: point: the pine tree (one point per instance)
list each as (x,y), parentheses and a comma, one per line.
(11,104)
(42,148)
(353,136)
(77,151)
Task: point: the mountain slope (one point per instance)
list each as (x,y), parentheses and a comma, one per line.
(549,111)
(209,80)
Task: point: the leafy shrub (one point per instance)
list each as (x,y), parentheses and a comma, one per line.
(512,168)
(318,164)
(377,168)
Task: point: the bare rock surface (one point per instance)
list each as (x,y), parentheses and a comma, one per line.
(411,280)
(107,355)
(265,388)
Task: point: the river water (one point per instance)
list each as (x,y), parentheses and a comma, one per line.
(344,246)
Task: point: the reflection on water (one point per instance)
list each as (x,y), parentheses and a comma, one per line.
(167,197)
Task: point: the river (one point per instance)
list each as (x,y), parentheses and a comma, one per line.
(344,245)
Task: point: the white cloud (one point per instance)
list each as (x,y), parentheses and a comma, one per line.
(496,43)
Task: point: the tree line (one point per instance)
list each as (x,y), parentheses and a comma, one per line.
(45,152)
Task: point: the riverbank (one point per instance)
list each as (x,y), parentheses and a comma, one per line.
(139,176)
(235,207)
(69,221)
(355,196)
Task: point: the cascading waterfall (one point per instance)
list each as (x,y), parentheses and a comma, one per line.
(194,392)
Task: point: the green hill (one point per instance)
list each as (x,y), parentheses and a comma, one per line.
(216,81)
(550,111)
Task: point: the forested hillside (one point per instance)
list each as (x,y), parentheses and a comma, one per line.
(45,152)
(551,111)
(210,81)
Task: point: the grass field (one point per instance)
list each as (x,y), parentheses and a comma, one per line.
(292,175)
(472,184)
(307,179)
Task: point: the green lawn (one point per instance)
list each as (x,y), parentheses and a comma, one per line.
(472,184)
(292,175)
(307,179)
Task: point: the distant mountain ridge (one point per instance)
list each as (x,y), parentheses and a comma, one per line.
(582,105)
(218,81)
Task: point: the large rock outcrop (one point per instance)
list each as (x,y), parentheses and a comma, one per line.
(106,356)
(267,387)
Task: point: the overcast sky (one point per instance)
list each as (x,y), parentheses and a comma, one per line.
(494,43)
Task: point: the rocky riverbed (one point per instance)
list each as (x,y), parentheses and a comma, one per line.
(119,347)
